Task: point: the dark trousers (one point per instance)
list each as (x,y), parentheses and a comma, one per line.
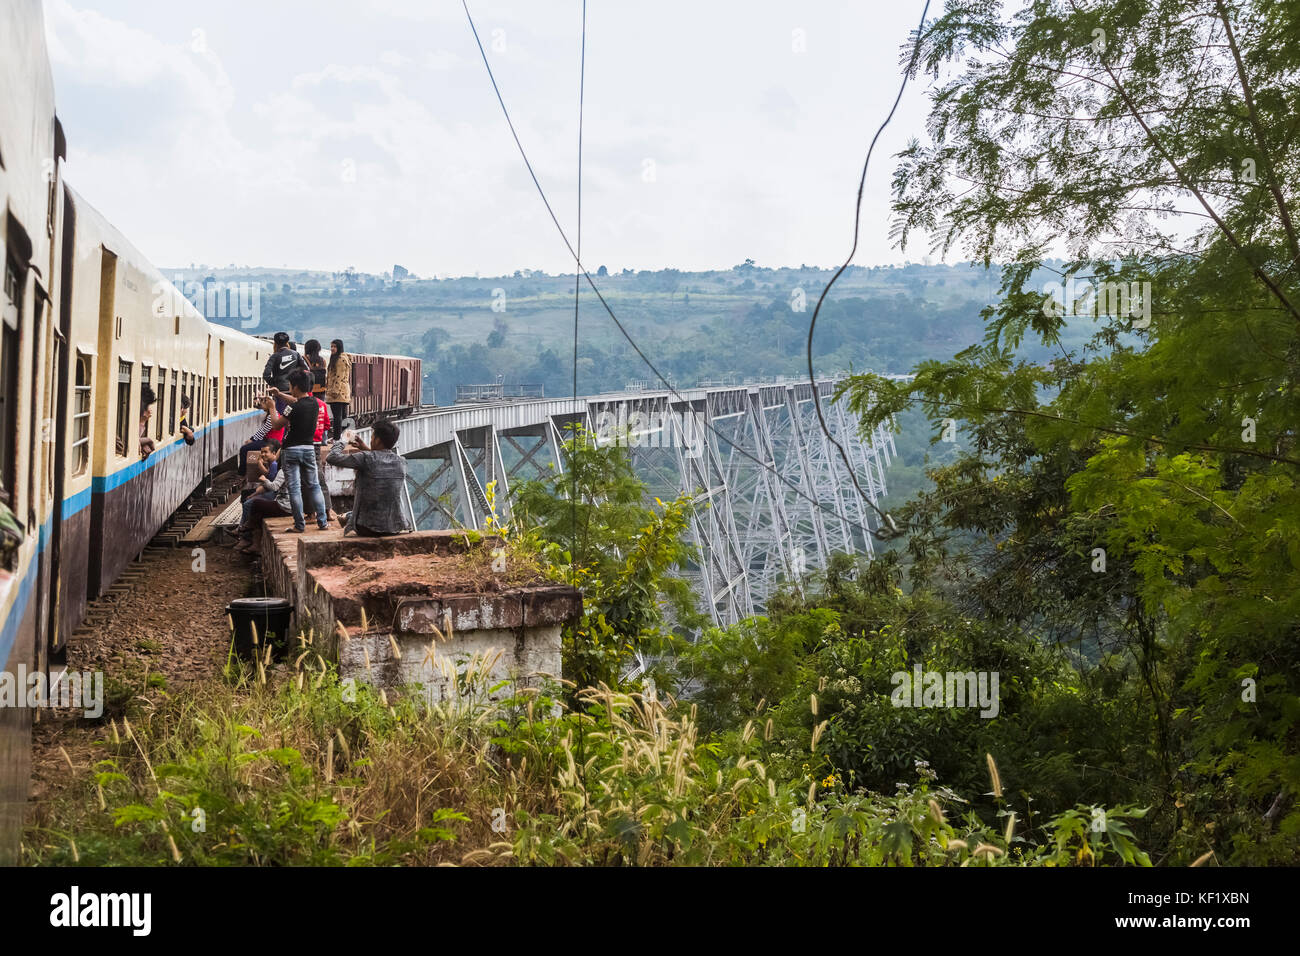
(364,532)
(338,412)
(257,508)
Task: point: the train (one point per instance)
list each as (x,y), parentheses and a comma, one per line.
(384,385)
(87,322)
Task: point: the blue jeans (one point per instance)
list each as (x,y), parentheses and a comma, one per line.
(301,462)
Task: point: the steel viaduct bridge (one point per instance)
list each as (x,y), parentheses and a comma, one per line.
(773,498)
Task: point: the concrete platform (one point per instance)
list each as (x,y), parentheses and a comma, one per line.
(413,608)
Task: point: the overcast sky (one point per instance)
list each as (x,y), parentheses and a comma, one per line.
(328,133)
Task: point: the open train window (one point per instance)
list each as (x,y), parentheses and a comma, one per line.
(123,407)
(12,304)
(81,415)
(212,385)
(171,404)
(162,403)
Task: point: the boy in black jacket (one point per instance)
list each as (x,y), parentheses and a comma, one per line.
(282,362)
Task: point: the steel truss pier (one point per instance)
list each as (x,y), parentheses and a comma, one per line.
(773,496)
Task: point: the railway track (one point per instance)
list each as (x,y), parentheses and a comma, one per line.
(101,612)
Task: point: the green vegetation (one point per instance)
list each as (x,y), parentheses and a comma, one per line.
(788,753)
(1116,536)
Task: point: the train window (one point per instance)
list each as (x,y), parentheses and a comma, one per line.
(15,277)
(171,403)
(123,407)
(215,410)
(162,402)
(230,391)
(81,416)
(146,381)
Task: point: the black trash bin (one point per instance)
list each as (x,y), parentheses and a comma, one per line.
(269,616)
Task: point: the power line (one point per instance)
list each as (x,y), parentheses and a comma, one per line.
(893,530)
(577,281)
(636,348)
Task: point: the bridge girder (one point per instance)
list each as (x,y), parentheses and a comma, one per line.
(773,496)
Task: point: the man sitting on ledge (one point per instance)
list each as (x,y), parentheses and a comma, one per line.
(381,480)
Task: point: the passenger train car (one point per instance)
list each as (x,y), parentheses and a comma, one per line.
(87,323)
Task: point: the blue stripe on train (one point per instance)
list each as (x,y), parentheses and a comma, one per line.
(9,633)
(72,505)
(103,483)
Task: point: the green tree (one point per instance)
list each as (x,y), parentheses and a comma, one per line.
(593,524)
(1140,493)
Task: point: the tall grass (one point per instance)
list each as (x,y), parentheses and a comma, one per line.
(287,766)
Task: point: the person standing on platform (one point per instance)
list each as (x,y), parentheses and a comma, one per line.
(298,459)
(316,364)
(282,362)
(338,384)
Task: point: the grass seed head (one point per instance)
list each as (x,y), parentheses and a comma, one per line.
(993,775)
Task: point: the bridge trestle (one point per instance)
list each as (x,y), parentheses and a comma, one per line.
(773,496)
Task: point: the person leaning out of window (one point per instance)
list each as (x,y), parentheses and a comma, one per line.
(147,398)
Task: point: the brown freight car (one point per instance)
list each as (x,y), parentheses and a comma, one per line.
(384,385)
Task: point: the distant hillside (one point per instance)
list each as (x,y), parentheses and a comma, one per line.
(747,322)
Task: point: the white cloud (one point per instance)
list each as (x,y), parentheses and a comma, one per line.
(237,151)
